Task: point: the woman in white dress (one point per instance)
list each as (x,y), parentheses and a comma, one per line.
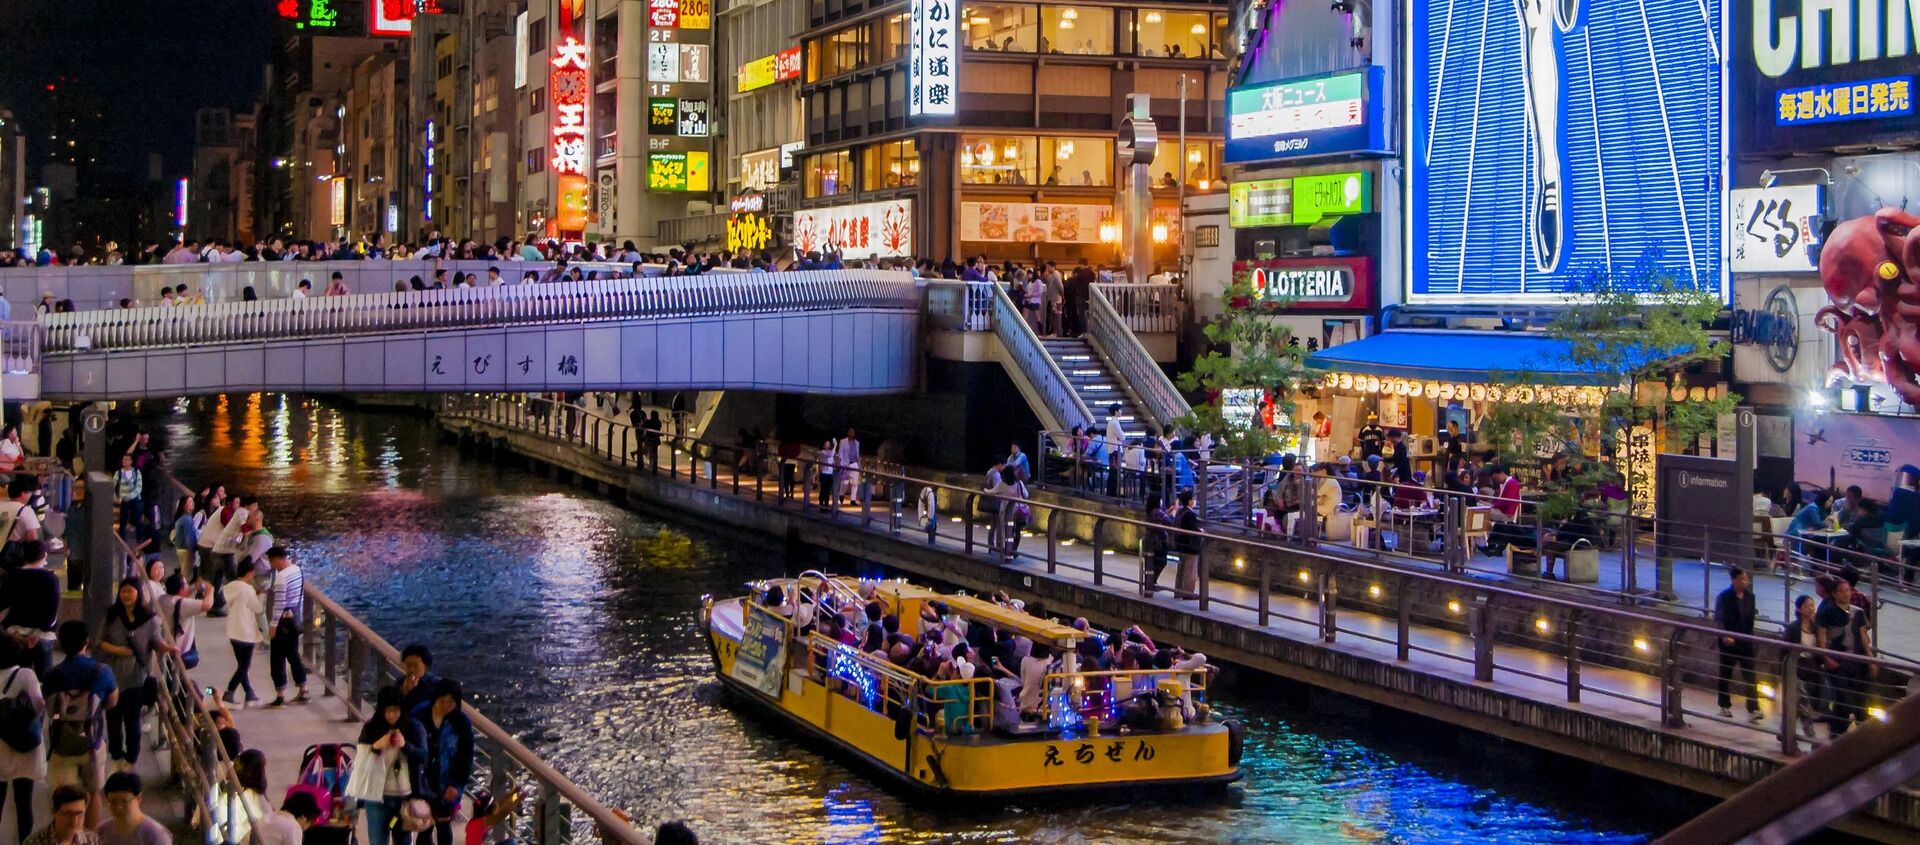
(22,769)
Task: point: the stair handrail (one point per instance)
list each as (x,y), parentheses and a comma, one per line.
(1131,364)
(1029,359)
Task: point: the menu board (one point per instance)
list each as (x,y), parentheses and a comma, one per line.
(1019,222)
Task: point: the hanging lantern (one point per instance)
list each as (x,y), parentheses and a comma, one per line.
(1477,393)
(1496,393)
(1698,394)
(1677,394)
(1446,392)
(1346,381)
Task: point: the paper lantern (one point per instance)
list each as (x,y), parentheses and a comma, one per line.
(1446,392)
(1698,394)
(1346,381)
(1477,393)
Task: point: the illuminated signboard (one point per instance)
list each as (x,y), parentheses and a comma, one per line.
(759,171)
(520,51)
(337,198)
(1300,200)
(1813,76)
(688,172)
(1310,116)
(748,231)
(569,90)
(696,14)
(693,63)
(1020,222)
(310,14)
(394,18)
(935,59)
(861,230)
(427,187)
(1774,230)
(180,203)
(663,14)
(663,116)
(663,63)
(693,118)
(1344,283)
(767,70)
(1575,142)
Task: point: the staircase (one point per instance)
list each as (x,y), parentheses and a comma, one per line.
(1095,383)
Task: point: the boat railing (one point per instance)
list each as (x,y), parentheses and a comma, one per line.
(974,697)
(1073,697)
(877,684)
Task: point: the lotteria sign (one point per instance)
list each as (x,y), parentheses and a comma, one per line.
(1300,200)
(1812,75)
(1327,114)
(1309,283)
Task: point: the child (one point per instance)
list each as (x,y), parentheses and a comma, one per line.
(488,814)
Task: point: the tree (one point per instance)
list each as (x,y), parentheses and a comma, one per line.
(1259,353)
(1632,330)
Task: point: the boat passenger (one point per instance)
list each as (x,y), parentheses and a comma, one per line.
(955,700)
(1034,669)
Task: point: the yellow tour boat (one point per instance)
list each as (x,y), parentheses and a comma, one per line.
(952,735)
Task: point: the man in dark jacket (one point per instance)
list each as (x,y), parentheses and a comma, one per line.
(1734,611)
(449,755)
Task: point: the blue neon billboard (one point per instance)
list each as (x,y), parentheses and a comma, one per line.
(1553,142)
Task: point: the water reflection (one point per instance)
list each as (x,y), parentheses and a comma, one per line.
(573,622)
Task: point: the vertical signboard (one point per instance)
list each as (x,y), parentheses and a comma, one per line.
(935,59)
(569,92)
(1562,144)
(1774,230)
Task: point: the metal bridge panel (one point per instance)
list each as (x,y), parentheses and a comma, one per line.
(526,358)
(601,363)
(674,347)
(444,357)
(324,363)
(704,351)
(485,365)
(366,364)
(167,373)
(737,366)
(402,362)
(638,357)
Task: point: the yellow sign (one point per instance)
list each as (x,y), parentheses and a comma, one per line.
(699,172)
(689,171)
(748,232)
(758,73)
(696,14)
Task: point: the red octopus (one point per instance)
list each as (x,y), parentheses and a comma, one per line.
(1871,269)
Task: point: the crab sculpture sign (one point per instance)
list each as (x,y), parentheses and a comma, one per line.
(1871,269)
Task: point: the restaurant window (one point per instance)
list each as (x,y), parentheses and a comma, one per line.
(997,160)
(841,52)
(1222,34)
(890,165)
(1179,35)
(1076,161)
(899,38)
(1201,167)
(1007,29)
(829,174)
(1076,30)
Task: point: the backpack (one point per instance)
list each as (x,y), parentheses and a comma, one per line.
(19,721)
(74,717)
(324,770)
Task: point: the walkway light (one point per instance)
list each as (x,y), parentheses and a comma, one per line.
(1305,576)
(1374,591)
(1879,713)
(1159,233)
(1453,606)
(1541,624)
(1239,563)
(1641,645)
(1765,689)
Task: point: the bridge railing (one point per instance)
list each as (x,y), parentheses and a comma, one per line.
(1155,308)
(1503,635)
(597,299)
(20,343)
(1113,333)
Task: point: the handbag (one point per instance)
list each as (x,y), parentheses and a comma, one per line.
(367,781)
(191,657)
(416,816)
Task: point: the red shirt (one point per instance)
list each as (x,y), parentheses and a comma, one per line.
(1507,501)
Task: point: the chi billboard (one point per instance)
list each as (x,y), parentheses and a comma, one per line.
(1555,147)
(1810,77)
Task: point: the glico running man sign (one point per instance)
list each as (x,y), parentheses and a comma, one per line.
(1555,144)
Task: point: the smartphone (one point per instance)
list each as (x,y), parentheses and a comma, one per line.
(208,691)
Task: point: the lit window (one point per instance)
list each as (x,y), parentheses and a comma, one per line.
(1007,29)
(1076,30)
(997,160)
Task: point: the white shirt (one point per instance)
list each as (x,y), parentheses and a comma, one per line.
(189,609)
(26,520)
(299,294)
(279,829)
(243,612)
(1033,680)
(10,451)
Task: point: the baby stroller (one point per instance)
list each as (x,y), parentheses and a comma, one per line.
(324,770)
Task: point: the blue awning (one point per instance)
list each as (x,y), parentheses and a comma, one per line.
(1459,356)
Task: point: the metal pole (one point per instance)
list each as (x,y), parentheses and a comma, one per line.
(1180,237)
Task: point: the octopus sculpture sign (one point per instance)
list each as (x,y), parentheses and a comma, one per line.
(1871,269)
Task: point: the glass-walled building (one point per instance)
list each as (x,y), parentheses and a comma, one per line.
(1025,167)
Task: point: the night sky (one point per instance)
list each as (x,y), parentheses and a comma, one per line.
(149,63)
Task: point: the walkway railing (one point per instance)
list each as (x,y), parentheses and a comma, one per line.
(1505,635)
(1155,308)
(960,306)
(1033,368)
(353,663)
(20,342)
(1113,334)
(606,299)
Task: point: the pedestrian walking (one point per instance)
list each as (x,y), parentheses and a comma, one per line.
(285,592)
(244,610)
(395,744)
(1734,612)
(848,463)
(129,636)
(23,753)
(448,761)
(1186,581)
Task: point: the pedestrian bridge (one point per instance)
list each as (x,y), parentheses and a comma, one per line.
(839,332)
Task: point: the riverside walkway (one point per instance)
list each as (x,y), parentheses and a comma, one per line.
(1617,686)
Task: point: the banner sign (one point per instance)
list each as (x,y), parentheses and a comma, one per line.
(1310,284)
(1541,160)
(748,232)
(1774,230)
(696,14)
(861,230)
(1019,222)
(933,71)
(767,70)
(1813,76)
(663,14)
(1300,200)
(761,662)
(1310,116)
(1863,449)
(760,170)
(688,172)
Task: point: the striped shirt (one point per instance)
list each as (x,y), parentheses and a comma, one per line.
(285,589)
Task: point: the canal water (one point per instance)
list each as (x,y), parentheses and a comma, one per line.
(571,621)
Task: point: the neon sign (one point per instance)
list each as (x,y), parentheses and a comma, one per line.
(569,90)
(309,14)
(180,203)
(394,18)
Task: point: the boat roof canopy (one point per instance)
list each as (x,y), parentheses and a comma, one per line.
(1031,627)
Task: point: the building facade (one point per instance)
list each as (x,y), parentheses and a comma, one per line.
(1010,150)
